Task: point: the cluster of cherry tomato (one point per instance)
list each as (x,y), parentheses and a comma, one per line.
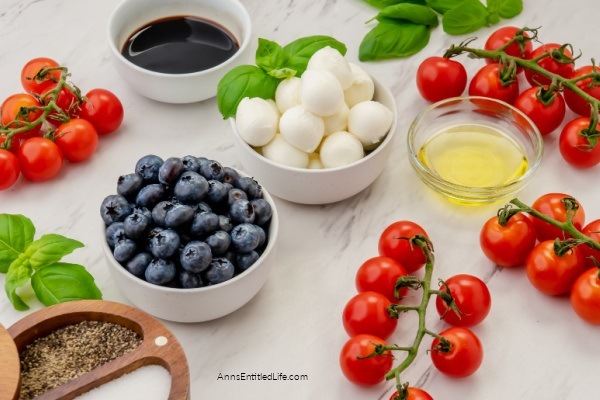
(370,317)
(440,78)
(554,268)
(37,131)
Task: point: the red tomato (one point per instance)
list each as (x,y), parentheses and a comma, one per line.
(9,169)
(393,243)
(549,64)
(66,100)
(40,159)
(486,83)
(77,139)
(463,357)
(413,394)
(367,312)
(575,148)
(364,371)
(591,230)
(379,274)
(439,78)
(551,205)
(11,111)
(502,36)
(585,296)
(103,109)
(552,274)
(509,245)
(546,117)
(574,101)
(471,296)
(34,85)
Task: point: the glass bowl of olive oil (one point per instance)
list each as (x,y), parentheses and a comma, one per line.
(474,149)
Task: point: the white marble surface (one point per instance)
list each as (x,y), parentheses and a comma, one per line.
(535,346)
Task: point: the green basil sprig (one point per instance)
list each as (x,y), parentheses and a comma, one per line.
(23,259)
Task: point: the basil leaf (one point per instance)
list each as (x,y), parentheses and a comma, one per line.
(16,233)
(282,73)
(243,81)
(270,55)
(387,3)
(61,282)
(442,6)
(49,249)
(493,18)
(392,39)
(510,8)
(18,275)
(468,17)
(411,13)
(301,50)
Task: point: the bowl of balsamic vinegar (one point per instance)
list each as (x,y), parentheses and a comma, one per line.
(177,51)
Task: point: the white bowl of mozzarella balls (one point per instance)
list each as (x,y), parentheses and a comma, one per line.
(326,135)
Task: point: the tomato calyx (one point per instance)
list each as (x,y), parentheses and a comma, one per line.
(444,345)
(407,281)
(447,298)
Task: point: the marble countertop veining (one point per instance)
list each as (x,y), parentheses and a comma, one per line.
(535,346)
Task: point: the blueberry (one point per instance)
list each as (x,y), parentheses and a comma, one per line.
(241,211)
(129,185)
(147,167)
(236,194)
(231,256)
(124,250)
(159,213)
(220,270)
(202,207)
(114,233)
(160,272)
(190,163)
(136,225)
(230,175)
(165,244)
(262,235)
(189,280)
(205,223)
(191,187)
(217,192)
(219,242)
(150,195)
(245,261)
(225,223)
(250,186)
(228,186)
(211,169)
(262,210)
(114,208)
(138,264)
(143,210)
(170,170)
(195,257)
(245,238)
(179,215)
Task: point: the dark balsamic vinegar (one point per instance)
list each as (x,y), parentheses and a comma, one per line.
(180,45)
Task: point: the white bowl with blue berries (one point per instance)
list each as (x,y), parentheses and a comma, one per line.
(188,240)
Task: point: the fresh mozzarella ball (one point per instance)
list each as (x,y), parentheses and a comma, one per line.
(362,87)
(314,161)
(274,105)
(301,128)
(339,149)
(256,121)
(281,152)
(337,121)
(287,94)
(329,59)
(369,121)
(321,93)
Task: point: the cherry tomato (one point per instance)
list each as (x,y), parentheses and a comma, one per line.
(11,108)
(551,205)
(585,296)
(413,394)
(103,109)
(509,245)
(464,356)
(40,159)
(9,169)
(77,139)
(66,100)
(34,85)
(486,83)
(576,102)
(379,274)
(439,78)
(546,117)
(471,296)
(502,36)
(367,312)
(552,274)
(393,243)
(575,148)
(549,64)
(591,230)
(364,371)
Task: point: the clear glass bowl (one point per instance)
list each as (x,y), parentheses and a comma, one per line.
(474,149)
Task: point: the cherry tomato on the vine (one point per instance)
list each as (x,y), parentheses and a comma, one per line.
(34,85)
(549,64)
(550,273)
(77,139)
(577,103)
(413,394)
(9,169)
(103,109)
(591,230)
(66,100)
(546,117)
(502,36)
(509,245)
(486,83)
(379,274)
(11,111)
(575,148)
(472,298)
(365,371)
(551,205)
(440,78)
(40,159)
(585,296)
(463,357)
(367,312)
(394,243)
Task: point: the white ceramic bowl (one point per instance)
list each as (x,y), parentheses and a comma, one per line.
(131,15)
(201,304)
(319,186)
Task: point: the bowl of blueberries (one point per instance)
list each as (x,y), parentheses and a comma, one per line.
(187,239)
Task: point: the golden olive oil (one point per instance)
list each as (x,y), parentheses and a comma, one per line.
(472,155)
